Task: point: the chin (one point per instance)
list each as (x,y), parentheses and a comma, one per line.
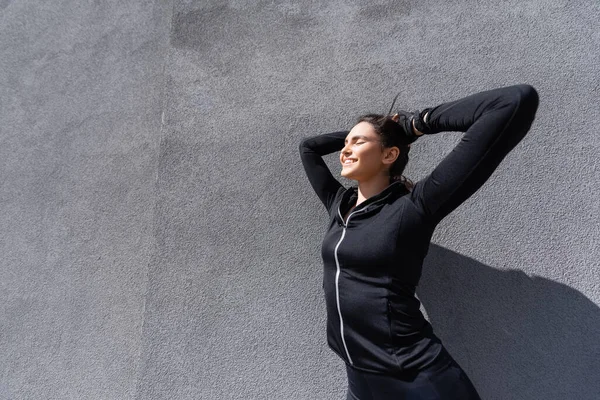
(347,175)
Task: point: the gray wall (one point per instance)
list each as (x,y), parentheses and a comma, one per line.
(160,240)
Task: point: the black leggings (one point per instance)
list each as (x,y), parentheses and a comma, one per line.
(444,380)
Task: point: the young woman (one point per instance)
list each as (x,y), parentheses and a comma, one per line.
(379,233)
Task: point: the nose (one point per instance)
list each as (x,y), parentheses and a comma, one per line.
(346,150)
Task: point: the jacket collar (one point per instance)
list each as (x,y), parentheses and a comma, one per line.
(350,195)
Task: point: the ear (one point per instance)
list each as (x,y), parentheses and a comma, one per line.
(390,155)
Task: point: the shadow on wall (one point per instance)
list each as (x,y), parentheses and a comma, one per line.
(517,337)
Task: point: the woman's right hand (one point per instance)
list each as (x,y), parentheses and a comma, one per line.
(415,131)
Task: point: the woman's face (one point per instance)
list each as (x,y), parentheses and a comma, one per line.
(362,156)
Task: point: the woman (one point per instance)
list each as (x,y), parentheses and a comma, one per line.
(379,233)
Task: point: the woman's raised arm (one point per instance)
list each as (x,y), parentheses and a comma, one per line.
(311,151)
(494,121)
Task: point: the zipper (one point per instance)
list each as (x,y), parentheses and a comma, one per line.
(337,280)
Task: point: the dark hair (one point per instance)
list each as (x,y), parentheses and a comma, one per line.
(391,135)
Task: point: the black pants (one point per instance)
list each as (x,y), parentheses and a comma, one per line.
(443,380)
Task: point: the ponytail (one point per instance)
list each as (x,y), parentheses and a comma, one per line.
(408,184)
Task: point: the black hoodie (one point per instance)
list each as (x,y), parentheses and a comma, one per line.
(372,262)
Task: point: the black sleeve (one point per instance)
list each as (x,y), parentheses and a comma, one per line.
(494,122)
(311,151)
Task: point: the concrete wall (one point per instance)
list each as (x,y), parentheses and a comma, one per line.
(81,88)
(160,239)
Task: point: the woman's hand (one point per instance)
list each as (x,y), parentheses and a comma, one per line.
(415,131)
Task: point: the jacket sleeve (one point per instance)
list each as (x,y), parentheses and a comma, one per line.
(494,122)
(311,151)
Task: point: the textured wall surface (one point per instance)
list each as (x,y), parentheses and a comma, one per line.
(160,240)
(81,95)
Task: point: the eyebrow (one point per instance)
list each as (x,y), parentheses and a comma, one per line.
(358,137)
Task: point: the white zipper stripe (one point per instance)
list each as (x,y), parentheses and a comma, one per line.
(337,295)
(337,279)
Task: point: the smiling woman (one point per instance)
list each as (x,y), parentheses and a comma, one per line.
(379,234)
(362,156)
(394,141)
(375,154)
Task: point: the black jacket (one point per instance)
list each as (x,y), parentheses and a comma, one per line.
(372,263)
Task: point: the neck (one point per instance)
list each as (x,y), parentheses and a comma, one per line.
(372,187)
